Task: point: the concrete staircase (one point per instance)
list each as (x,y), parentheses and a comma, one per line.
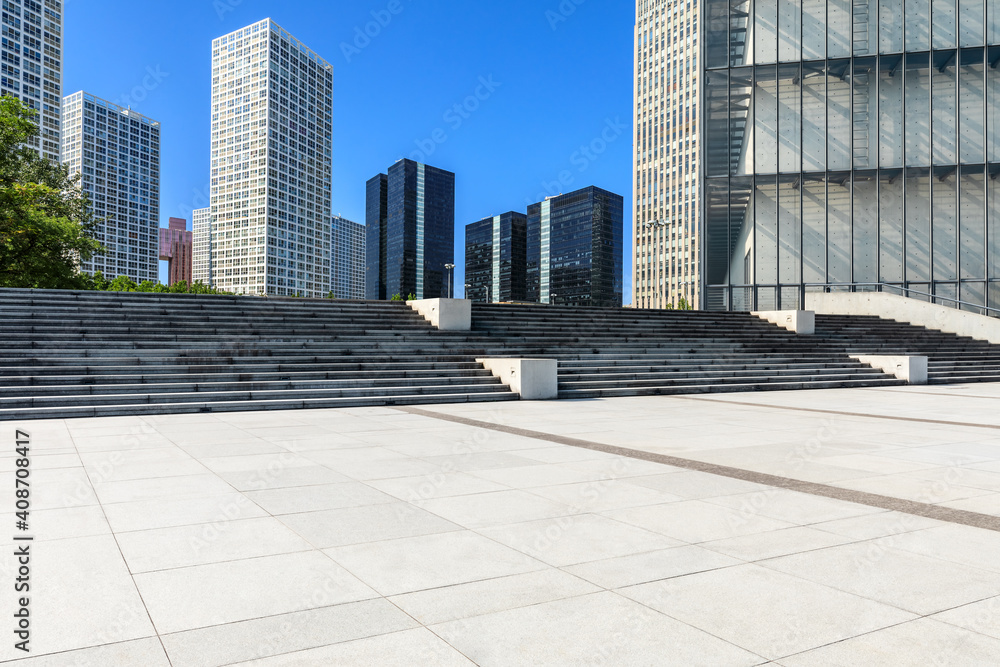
(77,354)
(951,359)
(625,352)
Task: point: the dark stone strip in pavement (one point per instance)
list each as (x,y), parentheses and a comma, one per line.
(927,510)
(842,413)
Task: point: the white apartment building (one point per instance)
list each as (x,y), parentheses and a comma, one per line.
(347,259)
(272,101)
(117,153)
(201,246)
(31,58)
(666,176)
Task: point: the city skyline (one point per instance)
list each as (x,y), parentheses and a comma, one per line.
(452,115)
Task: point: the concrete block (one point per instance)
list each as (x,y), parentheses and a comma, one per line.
(533,379)
(911,369)
(445,314)
(802,322)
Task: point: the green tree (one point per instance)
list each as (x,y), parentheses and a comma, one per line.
(46,226)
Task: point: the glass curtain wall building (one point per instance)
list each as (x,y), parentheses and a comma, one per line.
(31,62)
(575,249)
(850,143)
(116,151)
(410,215)
(495,258)
(347,259)
(272,105)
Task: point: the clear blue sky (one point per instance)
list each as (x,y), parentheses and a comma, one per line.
(564,80)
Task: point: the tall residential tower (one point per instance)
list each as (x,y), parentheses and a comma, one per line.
(667,148)
(117,153)
(31,62)
(272,101)
(347,259)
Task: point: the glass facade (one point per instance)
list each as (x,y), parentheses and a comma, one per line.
(31,62)
(410,220)
(495,258)
(376,209)
(116,151)
(575,249)
(848,144)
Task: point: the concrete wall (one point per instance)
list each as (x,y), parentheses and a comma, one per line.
(533,379)
(800,321)
(902,309)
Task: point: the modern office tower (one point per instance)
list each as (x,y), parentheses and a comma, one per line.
(117,153)
(850,144)
(176,247)
(411,231)
(272,100)
(347,259)
(31,57)
(667,231)
(201,261)
(496,258)
(575,249)
(376,212)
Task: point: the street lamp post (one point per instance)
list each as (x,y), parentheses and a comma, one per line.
(451,269)
(465,293)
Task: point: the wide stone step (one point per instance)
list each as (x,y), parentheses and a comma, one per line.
(708,387)
(261,395)
(125,409)
(726,379)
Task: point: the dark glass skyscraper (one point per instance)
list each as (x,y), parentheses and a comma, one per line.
(411,231)
(376,208)
(495,258)
(575,249)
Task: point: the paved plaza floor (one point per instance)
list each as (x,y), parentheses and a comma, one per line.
(803,529)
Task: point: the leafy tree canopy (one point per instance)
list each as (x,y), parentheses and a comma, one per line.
(46,226)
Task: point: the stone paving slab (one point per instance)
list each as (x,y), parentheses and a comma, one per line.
(841,527)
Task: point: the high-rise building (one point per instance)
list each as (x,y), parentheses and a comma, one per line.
(347,257)
(496,254)
(201,261)
(376,213)
(667,219)
(272,102)
(117,153)
(851,146)
(411,231)
(575,249)
(31,60)
(176,248)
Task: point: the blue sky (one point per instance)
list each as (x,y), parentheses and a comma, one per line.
(558,103)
